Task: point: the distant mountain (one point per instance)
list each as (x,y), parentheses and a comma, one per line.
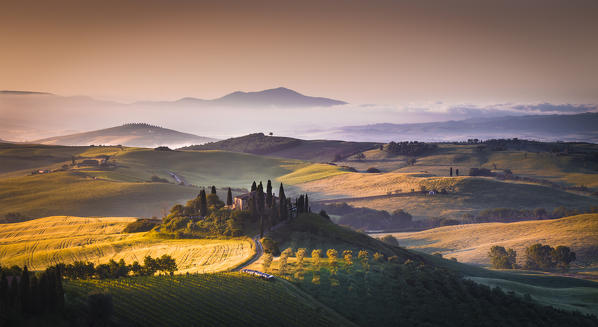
(279,98)
(138,135)
(578,127)
(287,147)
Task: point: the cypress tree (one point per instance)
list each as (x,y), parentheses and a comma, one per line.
(253,187)
(457,171)
(261,200)
(451,172)
(203,203)
(3,293)
(213,189)
(229,197)
(24,287)
(306,204)
(284,211)
(269,194)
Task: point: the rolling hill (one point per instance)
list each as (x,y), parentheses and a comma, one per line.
(125,188)
(287,147)
(471,243)
(43,242)
(136,135)
(574,127)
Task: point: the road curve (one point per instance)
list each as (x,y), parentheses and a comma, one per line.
(259,251)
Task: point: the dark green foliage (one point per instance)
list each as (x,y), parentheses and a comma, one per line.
(214,202)
(229,197)
(269,195)
(283,207)
(100,308)
(213,190)
(29,296)
(161,148)
(372,170)
(409,148)
(113,269)
(377,293)
(390,240)
(270,246)
(203,203)
(253,187)
(502,258)
(140,225)
(545,257)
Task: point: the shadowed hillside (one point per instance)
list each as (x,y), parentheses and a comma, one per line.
(139,135)
(287,147)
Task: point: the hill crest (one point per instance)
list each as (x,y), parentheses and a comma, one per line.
(132,134)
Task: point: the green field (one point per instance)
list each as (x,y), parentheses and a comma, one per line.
(231,299)
(122,190)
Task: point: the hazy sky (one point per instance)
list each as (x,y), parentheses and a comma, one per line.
(358,51)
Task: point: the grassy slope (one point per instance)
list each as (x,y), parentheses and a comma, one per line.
(122,191)
(42,242)
(231,299)
(561,292)
(471,243)
(466,194)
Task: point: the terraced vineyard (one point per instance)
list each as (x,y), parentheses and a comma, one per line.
(230,299)
(43,242)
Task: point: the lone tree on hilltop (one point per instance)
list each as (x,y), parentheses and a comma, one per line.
(213,189)
(253,186)
(229,197)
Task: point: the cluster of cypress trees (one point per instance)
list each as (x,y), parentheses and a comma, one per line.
(263,206)
(30,295)
(302,204)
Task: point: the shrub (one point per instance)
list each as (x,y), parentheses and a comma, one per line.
(390,240)
(372,170)
(140,225)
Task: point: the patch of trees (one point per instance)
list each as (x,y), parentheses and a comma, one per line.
(368,219)
(409,148)
(537,257)
(545,257)
(480,172)
(203,216)
(373,170)
(502,258)
(27,296)
(512,215)
(374,290)
(149,267)
(140,225)
(162,148)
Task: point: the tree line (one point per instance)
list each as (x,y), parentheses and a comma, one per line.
(25,295)
(87,270)
(538,257)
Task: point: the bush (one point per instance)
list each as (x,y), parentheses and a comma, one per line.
(140,225)
(372,170)
(502,258)
(390,240)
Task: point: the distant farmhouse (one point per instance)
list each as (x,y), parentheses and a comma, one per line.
(94,162)
(241,202)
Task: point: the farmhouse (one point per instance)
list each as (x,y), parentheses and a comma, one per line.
(241,202)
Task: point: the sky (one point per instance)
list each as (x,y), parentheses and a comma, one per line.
(383,52)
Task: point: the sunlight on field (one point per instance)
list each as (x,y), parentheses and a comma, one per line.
(311,173)
(47,241)
(471,243)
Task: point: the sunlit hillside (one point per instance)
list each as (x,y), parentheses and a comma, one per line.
(471,243)
(47,241)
